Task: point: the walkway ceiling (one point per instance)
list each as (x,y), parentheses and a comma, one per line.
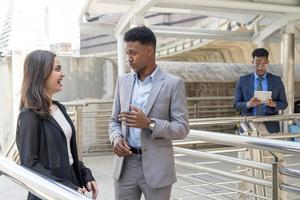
(261,19)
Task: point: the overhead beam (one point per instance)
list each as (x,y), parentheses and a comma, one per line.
(202,7)
(139,6)
(97,28)
(182,32)
(233,5)
(166,31)
(287,2)
(215,8)
(84,9)
(123,6)
(125,2)
(269,30)
(287,7)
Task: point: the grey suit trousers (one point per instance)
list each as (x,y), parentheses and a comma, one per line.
(132,183)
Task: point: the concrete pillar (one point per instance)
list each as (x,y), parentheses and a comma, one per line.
(138,19)
(288,75)
(262,44)
(288,67)
(17,77)
(257,29)
(6,105)
(121,54)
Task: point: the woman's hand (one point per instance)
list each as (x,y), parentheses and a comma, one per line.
(92,187)
(81,190)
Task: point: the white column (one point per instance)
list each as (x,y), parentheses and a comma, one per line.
(288,66)
(121,54)
(136,20)
(261,44)
(17,77)
(257,29)
(288,75)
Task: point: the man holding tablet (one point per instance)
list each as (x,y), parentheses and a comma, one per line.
(252,90)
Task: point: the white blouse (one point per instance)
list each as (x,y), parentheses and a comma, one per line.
(66,127)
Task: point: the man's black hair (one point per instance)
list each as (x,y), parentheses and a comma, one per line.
(140,34)
(260,52)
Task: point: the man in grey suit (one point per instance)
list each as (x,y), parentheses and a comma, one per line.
(149,110)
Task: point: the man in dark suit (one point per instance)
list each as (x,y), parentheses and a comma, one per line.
(260,79)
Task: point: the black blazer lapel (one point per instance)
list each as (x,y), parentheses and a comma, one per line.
(54,122)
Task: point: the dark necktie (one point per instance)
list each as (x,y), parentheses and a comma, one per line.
(259,108)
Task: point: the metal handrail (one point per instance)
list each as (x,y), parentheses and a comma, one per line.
(245,178)
(87,102)
(290,172)
(237,119)
(251,142)
(38,185)
(246,141)
(290,188)
(247,163)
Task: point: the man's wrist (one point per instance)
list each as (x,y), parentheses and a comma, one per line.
(116,138)
(148,122)
(152,124)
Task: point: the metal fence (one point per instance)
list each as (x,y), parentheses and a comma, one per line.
(271,170)
(92,118)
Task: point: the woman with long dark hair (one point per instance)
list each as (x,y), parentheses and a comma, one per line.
(45,133)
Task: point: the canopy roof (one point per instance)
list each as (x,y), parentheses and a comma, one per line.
(260,19)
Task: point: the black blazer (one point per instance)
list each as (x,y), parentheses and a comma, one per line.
(42,146)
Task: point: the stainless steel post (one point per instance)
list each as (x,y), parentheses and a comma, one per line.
(275,180)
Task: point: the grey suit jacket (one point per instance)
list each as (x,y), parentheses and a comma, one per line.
(168,107)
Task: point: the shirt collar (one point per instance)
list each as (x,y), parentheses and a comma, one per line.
(256,76)
(151,76)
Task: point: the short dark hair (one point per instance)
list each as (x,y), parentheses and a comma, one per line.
(260,52)
(140,34)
